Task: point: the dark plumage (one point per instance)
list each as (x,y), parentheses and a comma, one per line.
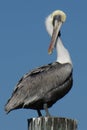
(32,91)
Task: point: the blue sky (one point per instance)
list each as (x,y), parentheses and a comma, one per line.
(23,46)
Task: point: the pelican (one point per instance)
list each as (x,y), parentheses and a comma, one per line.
(43,86)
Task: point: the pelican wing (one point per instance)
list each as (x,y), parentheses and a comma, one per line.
(36,86)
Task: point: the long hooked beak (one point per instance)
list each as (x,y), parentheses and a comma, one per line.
(56,30)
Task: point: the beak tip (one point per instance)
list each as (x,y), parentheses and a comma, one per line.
(49,52)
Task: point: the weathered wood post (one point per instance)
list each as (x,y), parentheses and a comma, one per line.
(52,123)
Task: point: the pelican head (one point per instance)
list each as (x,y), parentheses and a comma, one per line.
(53,24)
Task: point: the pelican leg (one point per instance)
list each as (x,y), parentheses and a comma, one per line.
(46,109)
(39,113)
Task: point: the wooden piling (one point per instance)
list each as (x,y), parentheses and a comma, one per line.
(52,123)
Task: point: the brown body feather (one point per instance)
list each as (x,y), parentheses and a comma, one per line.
(45,84)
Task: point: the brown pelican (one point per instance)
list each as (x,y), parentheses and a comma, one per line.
(43,86)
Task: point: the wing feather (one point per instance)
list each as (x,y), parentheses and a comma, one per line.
(34,85)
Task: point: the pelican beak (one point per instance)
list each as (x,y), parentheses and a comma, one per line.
(56,29)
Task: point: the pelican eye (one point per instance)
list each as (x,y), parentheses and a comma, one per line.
(56,17)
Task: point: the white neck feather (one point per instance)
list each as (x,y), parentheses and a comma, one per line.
(63,55)
(49,26)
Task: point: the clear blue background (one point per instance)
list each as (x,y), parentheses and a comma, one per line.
(23,46)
